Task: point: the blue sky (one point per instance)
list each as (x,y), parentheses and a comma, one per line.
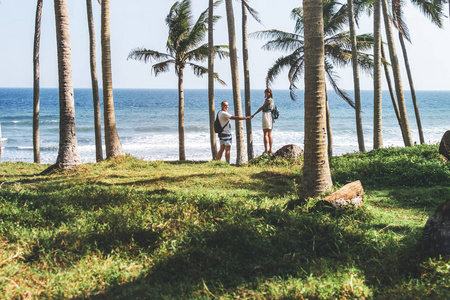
(140,23)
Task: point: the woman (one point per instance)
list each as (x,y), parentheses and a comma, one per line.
(267,122)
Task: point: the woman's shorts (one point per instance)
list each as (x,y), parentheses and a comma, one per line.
(267,122)
(225,139)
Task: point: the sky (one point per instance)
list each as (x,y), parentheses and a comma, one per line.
(141,23)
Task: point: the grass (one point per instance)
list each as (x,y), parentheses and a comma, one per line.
(127,228)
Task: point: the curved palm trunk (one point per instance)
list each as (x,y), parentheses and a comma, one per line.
(181,151)
(212,134)
(391,90)
(94,80)
(316,170)
(248,105)
(359,128)
(36,86)
(112,141)
(377,98)
(240,145)
(411,85)
(406,132)
(68,155)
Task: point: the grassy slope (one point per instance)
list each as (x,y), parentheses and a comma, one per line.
(159,230)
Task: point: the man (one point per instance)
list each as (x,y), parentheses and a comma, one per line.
(225,137)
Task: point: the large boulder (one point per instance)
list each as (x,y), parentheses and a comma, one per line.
(444,147)
(436,233)
(350,194)
(289,151)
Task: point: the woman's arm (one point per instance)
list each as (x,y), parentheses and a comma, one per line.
(266,103)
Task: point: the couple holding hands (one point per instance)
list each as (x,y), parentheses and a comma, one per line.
(267,125)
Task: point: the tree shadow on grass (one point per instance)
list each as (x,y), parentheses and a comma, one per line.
(265,244)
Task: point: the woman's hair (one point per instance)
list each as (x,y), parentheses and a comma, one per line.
(269,91)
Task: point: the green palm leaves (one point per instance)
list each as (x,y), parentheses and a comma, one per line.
(184,44)
(337,47)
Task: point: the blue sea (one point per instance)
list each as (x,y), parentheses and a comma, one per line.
(147,122)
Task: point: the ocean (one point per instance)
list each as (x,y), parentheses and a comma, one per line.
(147,122)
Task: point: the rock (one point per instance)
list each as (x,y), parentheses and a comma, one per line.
(444,146)
(349,194)
(289,151)
(436,233)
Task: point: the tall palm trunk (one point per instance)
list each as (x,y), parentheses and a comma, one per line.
(329,132)
(359,128)
(36,86)
(212,134)
(316,170)
(112,141)
(406,132)
(94,80)
(240,144)
(248,104)
(411,86)
(377,98)
(181,151)
(389,83)
(68,155)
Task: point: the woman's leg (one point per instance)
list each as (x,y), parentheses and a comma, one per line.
(269,137)
(266,139)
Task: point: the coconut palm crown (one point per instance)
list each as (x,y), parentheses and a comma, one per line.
(337,47)
(184,47)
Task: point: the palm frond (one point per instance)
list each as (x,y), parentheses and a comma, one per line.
(332,78)
(161,67)
(252,11)
(280,40)
(432,9)
(147,55)
(280,64)
(199,71)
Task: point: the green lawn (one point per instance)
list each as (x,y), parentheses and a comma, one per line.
(130,229)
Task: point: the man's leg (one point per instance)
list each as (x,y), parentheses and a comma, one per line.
(227,153)
(219,154)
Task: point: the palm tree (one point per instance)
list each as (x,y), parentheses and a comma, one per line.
(68,155)
(248,105)
(183,46)
(359,128)
(112,141)
(434,11)
(36,100)
(377,99)
(212,113)
(316,177)
(240,145)
(95,93)
(337,48)
(406,132)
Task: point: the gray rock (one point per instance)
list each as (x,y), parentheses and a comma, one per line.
(289,151)
(436,233)
(444,146)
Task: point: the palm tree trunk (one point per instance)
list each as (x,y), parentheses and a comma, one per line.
(94,80)
(411,85)
(377,98)
(112,141)
(68,155)
(181,151)
(329,132)
(240,144)
(212,134)
(391,89)
(316,170)
(406,132)
(359,128)
(36,86)
(248,105)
